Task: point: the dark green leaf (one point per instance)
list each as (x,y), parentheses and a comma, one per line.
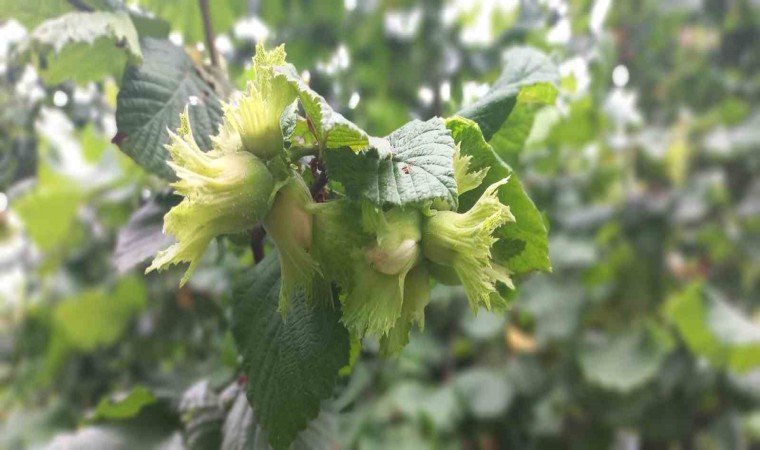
(151,98)
(292,365)
(525,67)
(510,139)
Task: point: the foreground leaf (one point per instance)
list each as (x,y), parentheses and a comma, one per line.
(242,432)
(510,139)
(329,128)
(413,164)
(291,365)
(151,98)
(523,245)
(525,67)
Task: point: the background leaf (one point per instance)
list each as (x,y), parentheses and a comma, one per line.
(124,405)
(185,16)
(715,329)
(84,46)
(142,237)
(626,361)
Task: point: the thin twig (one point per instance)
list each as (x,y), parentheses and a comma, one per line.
(318,185)
(257,242)
(210,43)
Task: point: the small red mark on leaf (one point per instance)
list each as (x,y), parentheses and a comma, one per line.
(119,138)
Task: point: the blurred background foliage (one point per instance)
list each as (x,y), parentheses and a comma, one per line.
(645,336)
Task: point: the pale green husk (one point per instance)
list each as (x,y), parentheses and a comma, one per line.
(255,118)
(289,224)
(225,191)
(463,242)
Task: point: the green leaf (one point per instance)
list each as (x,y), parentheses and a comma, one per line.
(92,320)
(627,361)
(148,26)
(523,245)
(330,128)
(31,13)
(291,365)
(49,211)
(413,164)
(242,432)
(714,329)
(151,98)
(124,405)
(525,67)
(185,16)
(510,139)
(96,318)
(84,46)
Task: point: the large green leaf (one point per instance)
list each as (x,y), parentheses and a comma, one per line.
(242,432)
(185,15)
(525,66)
(84,46)
(523,245)
(714,329)
(329,128)
(151,98)
(413,164)
(626,361)
(510,139)
(292,365)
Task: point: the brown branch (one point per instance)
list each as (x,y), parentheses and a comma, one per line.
(317,187)
(210,43)
(258,233)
